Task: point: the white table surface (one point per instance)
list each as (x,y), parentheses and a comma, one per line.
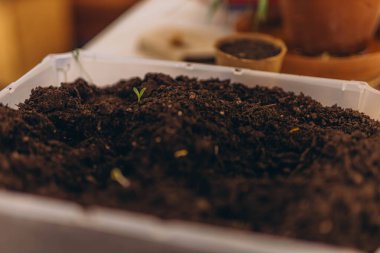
(121,37)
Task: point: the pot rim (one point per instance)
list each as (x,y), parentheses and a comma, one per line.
(252,36)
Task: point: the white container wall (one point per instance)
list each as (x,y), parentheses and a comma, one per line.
(30,224)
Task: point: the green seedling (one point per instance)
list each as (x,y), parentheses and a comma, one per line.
(261,13)
(138,93)
(76,56)
(262,10)
(259,17)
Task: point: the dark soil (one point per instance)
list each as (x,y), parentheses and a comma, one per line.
(200,59)
(250,49)
(207,151)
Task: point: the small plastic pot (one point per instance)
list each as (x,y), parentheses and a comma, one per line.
(272,64)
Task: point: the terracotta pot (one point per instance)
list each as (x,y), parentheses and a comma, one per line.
(362,67)
(272,64)
(333,26)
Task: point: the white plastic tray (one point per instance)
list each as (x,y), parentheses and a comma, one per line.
(30,224)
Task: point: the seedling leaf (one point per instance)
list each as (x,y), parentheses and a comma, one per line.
(138,93)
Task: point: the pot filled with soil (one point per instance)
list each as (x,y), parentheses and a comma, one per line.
(207,151)
(185,146)
(333,26)
(364,66)
(252,51)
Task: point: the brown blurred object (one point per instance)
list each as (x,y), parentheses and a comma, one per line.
(363,67)
(334,26)
(272,64)
(29,30)
(91,17)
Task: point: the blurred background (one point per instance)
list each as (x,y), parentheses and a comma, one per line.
(31,29)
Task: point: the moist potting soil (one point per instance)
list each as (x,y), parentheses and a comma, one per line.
(250,49)
(207,151)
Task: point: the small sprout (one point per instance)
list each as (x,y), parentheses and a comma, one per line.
(262,10)
(76,56)
(138,93)
(261,14)
(181,153)
(118,176)
(295,129)
(259,17)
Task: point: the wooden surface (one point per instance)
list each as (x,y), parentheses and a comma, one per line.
(29,30)
(123,36)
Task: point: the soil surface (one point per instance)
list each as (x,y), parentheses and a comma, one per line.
(205,59)
(250,49)
(207,151)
